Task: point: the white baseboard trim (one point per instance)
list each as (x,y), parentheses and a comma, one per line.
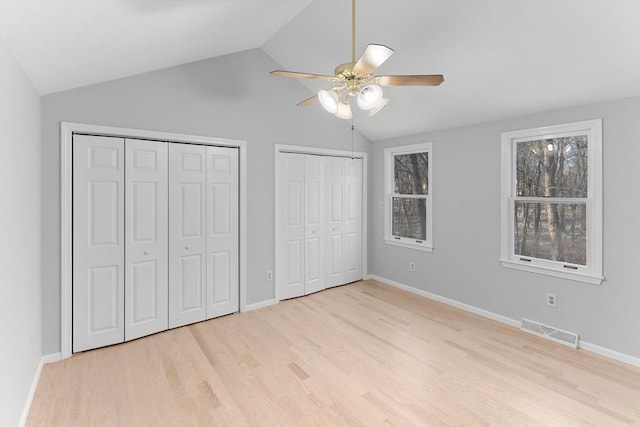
(260,304)
(47,358)
(32,392)
(453,303)
(51,358)
(611,354)
(593,348)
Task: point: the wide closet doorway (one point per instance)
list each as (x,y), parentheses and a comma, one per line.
(155,236)
(319,221)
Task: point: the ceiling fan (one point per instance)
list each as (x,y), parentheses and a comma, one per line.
(356,78)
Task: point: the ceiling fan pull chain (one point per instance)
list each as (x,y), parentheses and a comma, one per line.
(352,129)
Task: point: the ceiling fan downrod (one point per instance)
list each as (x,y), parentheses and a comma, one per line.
(353,31)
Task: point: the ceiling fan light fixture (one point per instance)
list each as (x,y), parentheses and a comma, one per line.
(344,111)
(356,79)
(369,96)
(328,100)
(379,106)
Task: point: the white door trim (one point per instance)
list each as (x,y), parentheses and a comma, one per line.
(67,129)
(281,148)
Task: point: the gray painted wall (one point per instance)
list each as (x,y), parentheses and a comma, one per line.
(230,97)
(20,215)
(234,96)
(464,264)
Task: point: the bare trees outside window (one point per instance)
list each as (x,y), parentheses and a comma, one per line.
(410,178)
(408,172)
(552,200)
(552,169)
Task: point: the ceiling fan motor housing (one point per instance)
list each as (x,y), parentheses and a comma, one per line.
(344,72)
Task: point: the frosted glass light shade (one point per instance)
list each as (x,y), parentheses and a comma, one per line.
(369,96)
(379,106)
(328,100)
(344,111)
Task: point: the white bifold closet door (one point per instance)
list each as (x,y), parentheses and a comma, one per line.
(155,237)
(146,234)
(320,222)
(203,233)
(314,252)
(98,241)
(335,208)
(353,220)
(290,272)
(119,240)
(223,272)
(344,220)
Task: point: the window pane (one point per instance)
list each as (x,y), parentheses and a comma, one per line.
(555,167)
(411,173)
(552,231)
(410,218)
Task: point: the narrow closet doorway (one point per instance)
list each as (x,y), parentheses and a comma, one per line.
(156,236)
(320,219)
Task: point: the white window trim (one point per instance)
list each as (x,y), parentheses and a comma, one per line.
(405,242)
(592,273)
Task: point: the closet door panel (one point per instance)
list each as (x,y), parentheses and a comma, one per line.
(314,224)
(187,236)
(353,220)
(325,249)
(290,278)
(222,231)
(98,241)
(335,220)
(146,277)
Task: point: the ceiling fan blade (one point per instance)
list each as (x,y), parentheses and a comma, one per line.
(308,101)
(373,56)
(297,75)
(414,80)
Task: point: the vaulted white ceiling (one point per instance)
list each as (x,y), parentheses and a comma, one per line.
(63,44)
(500,58)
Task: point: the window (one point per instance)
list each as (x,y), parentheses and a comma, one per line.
(408,218)
(552,200)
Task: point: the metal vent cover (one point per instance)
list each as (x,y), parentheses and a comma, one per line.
(549,332)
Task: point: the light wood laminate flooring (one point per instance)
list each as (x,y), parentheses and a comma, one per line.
(364,354)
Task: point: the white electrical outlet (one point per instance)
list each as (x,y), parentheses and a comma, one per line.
(269,275)
(381,205)
(412,266)
(551,300)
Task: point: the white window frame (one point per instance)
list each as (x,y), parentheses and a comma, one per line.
(389,155)
(592,272)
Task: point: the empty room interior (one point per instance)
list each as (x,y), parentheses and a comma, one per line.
(319,212)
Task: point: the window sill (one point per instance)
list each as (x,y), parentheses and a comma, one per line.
(579,277)
(409,245)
